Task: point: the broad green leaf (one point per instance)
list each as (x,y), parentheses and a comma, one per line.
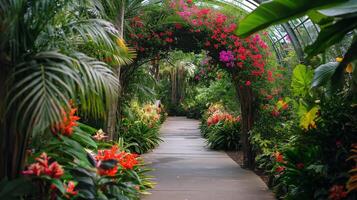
(87,128)
(330,35)
(347,9)
(301,80)
(323,74)
(84,138)
(59,185)
(320,19)
(278,11)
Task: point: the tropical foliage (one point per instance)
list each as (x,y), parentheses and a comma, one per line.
(67,66)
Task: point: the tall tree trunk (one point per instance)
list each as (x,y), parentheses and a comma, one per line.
(247,104)
(12,142)
(114,112)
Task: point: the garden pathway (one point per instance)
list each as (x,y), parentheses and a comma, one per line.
(186,170)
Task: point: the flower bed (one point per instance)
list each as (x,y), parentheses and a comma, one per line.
(221,129)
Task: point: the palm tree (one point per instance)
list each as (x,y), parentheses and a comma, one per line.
(49,51)
(120,12)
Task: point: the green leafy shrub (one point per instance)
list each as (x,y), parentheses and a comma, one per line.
(140,127)
(141,137)
(224,136)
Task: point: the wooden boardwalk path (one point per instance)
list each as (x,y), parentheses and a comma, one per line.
(186,170)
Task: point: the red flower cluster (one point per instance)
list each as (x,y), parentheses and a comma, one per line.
(279,157)
(69,120)
(70,190)
(280,169)
(44,167)
(136,38)
(247,52)
(337,192)
(126,160)
(221,116)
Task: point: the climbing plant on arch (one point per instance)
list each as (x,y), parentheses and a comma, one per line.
(185,26)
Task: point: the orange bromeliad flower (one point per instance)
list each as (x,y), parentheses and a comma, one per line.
(128,161)
(108,172)
(108,154)
(69,120)
(279,157)
(124,159)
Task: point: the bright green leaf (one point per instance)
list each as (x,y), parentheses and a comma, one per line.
(301,80)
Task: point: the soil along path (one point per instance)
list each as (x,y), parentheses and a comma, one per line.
(186,170)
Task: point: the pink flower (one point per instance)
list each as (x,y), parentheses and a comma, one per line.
(185,14)
(42,167)
(208,43)
(169,40)
(220,19)
(178,26)
(248,83)
(280,169)
(337,192)
(204,12)
(226,56)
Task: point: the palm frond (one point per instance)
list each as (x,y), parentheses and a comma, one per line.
(98,31)
(42,87)
(45,84)
(100,85)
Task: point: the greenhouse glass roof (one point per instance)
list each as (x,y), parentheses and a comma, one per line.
(294,35)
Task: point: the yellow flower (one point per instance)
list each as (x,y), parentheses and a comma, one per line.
(308,121)
(339,59)
(349,68)
(121,43)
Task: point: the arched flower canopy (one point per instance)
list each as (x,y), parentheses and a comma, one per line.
(183,25)
(194,28)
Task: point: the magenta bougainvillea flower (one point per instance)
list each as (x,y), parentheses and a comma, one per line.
(226,56)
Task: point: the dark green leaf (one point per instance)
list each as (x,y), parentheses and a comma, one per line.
(323,74)
(347,10)
(59,185)
(108,164)
(278,11)
(331,34)
(15,188)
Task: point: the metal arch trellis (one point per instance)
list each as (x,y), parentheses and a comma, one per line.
(275,35)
